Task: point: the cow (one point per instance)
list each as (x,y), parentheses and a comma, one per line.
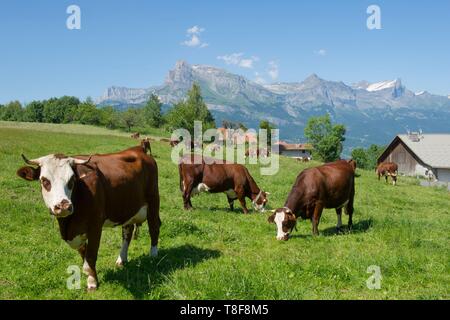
(257,153)
(145,144)
(86,194)
(331,185)
(136,135)
(388,169)
(198,175)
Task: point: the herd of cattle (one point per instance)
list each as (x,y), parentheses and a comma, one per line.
(88,193)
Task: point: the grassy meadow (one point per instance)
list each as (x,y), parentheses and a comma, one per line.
(212,253)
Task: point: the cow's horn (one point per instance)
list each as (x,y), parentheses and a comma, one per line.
(31,162)
(80,161)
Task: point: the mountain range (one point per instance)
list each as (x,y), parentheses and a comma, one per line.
(372,112)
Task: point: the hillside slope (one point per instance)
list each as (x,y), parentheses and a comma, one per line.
(211,253)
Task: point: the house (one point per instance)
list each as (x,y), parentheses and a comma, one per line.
(420,154)
(297,151)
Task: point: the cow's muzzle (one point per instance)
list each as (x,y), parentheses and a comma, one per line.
(63,209)
(284,238)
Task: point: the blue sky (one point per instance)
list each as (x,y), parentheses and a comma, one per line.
(135,43)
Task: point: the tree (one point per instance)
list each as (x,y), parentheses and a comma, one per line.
(87,113)
(12,111)
(264,124)
(131,117)
(360,156)
(60,110)
(152,112)
(34,112)
(109,117)
(327,139)
(184,113)
(367,158)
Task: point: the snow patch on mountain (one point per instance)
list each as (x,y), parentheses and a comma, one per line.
(383,85)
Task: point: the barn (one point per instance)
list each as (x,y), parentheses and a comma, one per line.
(296,151)
(420,154)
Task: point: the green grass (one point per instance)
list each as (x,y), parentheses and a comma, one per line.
(212,253)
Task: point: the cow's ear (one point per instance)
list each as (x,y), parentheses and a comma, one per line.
(271,219)
(29,173)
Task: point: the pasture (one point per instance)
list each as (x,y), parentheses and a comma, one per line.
(212,253)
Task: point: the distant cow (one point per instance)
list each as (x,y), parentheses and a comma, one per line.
(232,179)
(87,194)
(331,185)
(257,152)
(145,144)
(388,169)
(135,135)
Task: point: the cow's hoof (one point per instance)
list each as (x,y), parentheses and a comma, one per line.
(91,289)
(339,230)
(154,251)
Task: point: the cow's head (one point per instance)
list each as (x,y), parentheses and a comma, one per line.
(285,220)
(260,201)
(57,178)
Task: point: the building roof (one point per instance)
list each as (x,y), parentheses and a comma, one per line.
(284,146)
(431,149)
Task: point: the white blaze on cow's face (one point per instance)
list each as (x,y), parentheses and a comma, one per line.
(57,182)
(260,201)
(57,179)
(285,221)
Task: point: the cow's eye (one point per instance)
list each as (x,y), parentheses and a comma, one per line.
(71,183)
(46,184)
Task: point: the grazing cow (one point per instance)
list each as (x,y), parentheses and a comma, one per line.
(331,185)
(105,190)
(135,135)
(257,152)
(388,169)
(145,144)
(232,179)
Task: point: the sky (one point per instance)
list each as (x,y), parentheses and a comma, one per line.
(135,43)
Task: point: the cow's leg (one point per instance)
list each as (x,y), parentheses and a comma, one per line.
(231,203)
(316,218)
(386,177)
(339,219)
(187,192)
(154,223)
(82,252)
(90,260)
(349,210)
(240,194)
(127,235)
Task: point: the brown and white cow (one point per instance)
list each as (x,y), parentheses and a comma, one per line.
(331,185)
(232,179)
(388,169)
(86,194)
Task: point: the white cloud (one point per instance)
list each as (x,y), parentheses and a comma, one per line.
(194,38)
(273,70)
(239,60)
(195,30)
(321,52)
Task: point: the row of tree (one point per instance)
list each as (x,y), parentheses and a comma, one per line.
(71,110)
